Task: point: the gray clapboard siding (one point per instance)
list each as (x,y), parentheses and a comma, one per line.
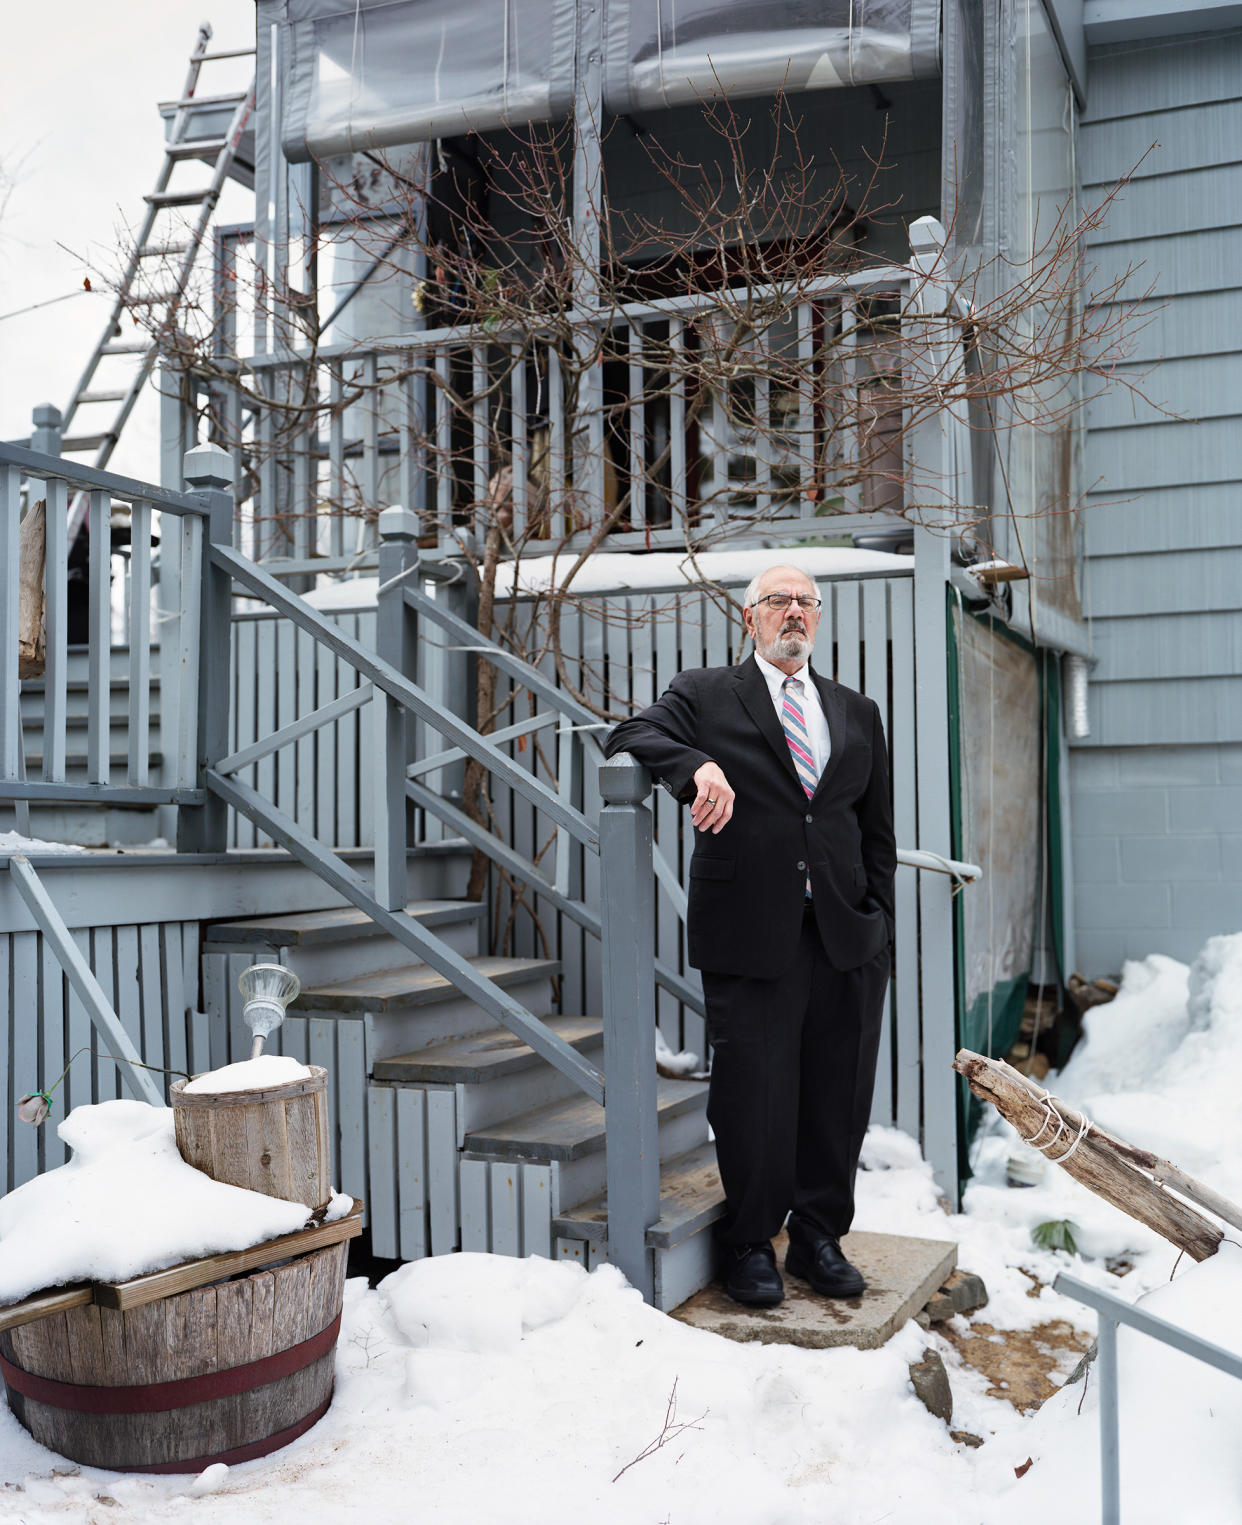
(1170,454)
(1189,388)
(1135,80)
(1152,797)
(1164,519)
(1170,583)
(1207,644)
(1188,141)
(1152,712)
(1192,201)
(1167,264)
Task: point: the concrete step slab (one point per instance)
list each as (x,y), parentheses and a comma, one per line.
(901,1274)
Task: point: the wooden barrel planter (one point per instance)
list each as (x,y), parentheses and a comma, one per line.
(222,1373)
(274,1141)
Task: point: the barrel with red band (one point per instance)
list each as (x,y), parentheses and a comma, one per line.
(158,1397)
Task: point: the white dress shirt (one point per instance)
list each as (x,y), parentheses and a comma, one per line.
(809,703)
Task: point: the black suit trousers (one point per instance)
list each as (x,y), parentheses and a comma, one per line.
(793,1070)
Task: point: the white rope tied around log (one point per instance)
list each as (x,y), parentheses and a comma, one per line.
(1051,1113)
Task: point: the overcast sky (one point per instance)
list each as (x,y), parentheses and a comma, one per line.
(82,140)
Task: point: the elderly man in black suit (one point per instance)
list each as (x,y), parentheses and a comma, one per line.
(790,921)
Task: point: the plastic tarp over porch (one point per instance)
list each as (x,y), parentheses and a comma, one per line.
(377,73)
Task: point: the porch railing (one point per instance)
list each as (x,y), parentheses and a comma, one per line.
(678,445)
(173,521)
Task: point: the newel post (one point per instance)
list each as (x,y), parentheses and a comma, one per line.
(628,975)
(47,420)
(208,472)
(395,642)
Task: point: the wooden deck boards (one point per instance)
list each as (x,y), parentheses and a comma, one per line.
(483,1056)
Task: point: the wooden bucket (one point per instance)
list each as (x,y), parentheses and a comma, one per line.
(274,1141)
(222,1373)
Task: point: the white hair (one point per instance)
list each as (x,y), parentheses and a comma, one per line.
(752,587)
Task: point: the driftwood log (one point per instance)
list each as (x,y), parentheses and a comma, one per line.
(1132,1179)
(31,641)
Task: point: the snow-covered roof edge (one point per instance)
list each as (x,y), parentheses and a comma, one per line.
(648,572)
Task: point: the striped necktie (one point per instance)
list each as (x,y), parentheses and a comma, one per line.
(794,723)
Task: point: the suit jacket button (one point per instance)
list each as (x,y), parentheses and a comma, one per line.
(810,820)
(801,866)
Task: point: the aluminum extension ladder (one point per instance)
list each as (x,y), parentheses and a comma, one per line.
(195,134)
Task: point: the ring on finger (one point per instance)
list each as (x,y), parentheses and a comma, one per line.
(711,802)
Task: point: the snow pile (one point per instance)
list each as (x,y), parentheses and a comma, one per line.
(1158,1067)
(260,1074)
(684,1063)
(494,1381)
(125,1204)
(13,842)
(1178,1421)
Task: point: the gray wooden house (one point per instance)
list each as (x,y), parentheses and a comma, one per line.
(279,673)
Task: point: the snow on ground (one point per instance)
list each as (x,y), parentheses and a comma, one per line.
(476,1389)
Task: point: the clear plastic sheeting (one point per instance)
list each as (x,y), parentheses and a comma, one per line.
(674,52)
(374,75)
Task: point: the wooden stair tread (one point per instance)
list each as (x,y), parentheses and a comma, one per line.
(568,1130)
(415,985)
(691,1197)
(338,924)
(483,1056)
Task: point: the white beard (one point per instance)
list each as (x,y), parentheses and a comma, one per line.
(789,647)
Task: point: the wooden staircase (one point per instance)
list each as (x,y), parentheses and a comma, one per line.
(111,825)
(458,1135)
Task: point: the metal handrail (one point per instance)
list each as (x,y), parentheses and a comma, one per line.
(1112,1312)
(924,858)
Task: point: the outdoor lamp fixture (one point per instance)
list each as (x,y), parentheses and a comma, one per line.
(266,989)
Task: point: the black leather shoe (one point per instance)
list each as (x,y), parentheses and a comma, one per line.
(749,1275)
(822,1264)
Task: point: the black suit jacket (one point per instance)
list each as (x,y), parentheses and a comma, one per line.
(748,883)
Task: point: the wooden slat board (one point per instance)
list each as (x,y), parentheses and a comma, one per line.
(52,1055)
(153,1288)
(411,1172)
(197,1273)
(25,1073)
(16,1086)
(45,1305)
(148,972)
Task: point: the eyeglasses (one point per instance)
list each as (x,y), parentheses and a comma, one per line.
(781,601)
